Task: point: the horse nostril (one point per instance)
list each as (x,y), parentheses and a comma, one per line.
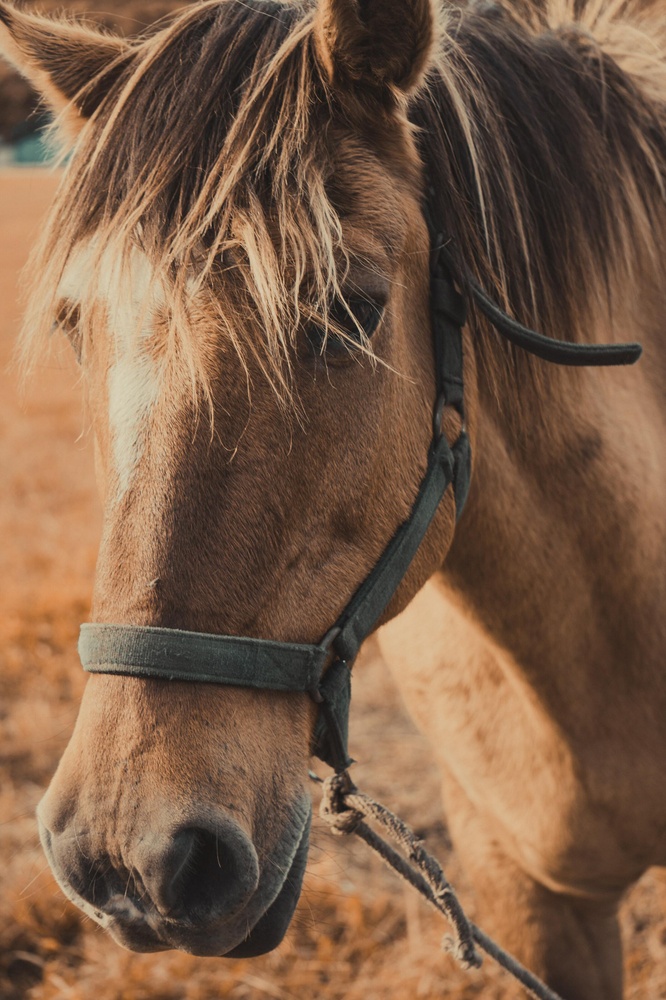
(202,874)
(91,875)
(96,883)
(207,872)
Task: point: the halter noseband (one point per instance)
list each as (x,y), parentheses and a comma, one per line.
(172,654)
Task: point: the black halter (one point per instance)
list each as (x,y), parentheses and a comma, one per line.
(171,654)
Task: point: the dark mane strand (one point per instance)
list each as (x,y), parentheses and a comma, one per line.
(567,163)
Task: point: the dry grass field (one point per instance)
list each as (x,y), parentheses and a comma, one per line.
(357,934)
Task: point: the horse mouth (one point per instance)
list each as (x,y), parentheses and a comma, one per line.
(271,928)
(239,937)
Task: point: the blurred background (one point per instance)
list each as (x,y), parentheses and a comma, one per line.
(21,119)
(357,935)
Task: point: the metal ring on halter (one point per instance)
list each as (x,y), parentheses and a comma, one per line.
(438,416)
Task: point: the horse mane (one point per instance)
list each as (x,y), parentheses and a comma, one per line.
(542,132)
(543,135)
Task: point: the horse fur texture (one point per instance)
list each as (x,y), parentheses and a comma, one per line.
(241,226)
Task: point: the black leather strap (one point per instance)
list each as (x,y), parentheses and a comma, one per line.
(448,310)
(559,352)
(370,601)
(332,727)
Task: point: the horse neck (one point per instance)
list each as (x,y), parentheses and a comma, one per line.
(558,551)
(569,469)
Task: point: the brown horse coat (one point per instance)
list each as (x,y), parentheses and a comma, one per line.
(236,176)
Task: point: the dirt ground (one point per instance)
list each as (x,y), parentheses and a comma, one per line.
(357,934)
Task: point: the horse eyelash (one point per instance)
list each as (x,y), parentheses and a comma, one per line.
(350,323)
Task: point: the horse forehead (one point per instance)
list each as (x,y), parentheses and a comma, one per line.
(134,387)
(125,285)
(132,301)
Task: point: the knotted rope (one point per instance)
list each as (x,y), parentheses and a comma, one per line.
(345,810)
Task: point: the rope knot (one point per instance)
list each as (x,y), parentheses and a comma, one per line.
(334,809)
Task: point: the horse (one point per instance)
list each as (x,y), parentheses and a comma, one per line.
(240,257)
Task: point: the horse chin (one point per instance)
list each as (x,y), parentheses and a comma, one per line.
(145,935)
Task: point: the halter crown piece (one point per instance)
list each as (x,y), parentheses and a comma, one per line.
(172,654)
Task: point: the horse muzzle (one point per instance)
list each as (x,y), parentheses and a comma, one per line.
(200,888)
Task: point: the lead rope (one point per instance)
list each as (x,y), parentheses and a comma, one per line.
(345,810)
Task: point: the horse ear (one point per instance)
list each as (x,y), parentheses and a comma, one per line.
(71,65)
(382,42)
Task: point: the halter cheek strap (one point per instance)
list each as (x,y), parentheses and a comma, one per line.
(323,670)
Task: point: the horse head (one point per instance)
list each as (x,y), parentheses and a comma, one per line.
(239,257)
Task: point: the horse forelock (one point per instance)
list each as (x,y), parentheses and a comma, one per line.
(208,157)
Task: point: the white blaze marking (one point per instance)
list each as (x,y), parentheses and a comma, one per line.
(135,377)
(134,386)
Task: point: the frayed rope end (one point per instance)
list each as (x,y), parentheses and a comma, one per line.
(464,953)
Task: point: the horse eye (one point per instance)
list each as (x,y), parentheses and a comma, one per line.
(67,322)
(351,321)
